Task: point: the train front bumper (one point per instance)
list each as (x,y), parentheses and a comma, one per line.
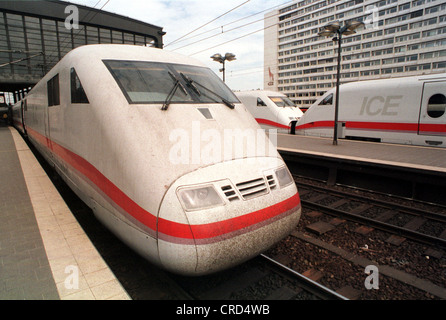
(257,208)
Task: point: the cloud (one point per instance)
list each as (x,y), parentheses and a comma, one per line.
(180,17)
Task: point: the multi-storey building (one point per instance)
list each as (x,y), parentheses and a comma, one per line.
(400,38)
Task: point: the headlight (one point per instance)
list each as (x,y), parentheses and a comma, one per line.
(284,177)
(199,198)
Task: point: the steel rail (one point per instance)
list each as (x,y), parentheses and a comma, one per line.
(407,233)
(310,285)
(390,205)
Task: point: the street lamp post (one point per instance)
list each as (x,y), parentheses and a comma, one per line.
(219,58)
(335,29)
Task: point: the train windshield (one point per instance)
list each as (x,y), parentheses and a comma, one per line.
(145,82)
(282,102)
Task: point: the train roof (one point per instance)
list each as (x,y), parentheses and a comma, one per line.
(127,52)
(260,92)
(383,84)
(395,81)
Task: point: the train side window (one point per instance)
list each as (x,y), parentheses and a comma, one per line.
(436,106)
(53,91)
(77,91)
(260,103)
(328,100)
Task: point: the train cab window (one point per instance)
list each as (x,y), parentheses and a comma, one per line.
(148,82)
(145,82)
(77,91)
(436,106)
(53,91)
(282,102)
(328,100)
(260,103)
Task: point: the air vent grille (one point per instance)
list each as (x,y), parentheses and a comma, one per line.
(271,182)
(230,193)
(252,188)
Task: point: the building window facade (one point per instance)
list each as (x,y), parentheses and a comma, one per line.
(401,38)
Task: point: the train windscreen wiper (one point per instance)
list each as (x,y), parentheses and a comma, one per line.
(191,83)
(171,94)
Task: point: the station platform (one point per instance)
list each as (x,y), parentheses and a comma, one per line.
(44,252)
(415,172)
(405,156)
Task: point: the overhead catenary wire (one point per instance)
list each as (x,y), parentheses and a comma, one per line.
(217,45)
(232,29)
(222,15)
(216,35)
(232,22)
(20,60)
(243,72)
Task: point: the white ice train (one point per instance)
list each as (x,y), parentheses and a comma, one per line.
(408,110)
(137,133)
(272,110)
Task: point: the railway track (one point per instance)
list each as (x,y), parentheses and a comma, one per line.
(311,286)
(406,222)
(345,230)
(262,278)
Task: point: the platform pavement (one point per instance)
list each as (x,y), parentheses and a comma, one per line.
(44,253)
(416,157)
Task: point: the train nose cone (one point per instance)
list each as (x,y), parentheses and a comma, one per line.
(206,248)
(198,241)
(250,235)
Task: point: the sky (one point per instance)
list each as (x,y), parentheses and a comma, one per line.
(201,28)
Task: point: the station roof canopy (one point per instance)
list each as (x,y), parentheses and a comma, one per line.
(34,36)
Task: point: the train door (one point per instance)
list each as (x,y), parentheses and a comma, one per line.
(275,110)
(432,119)
(23,108)
(46,120)
(53,91)
(265,114)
